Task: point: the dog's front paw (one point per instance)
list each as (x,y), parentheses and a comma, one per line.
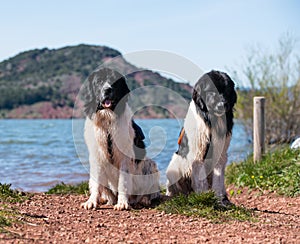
(122,205)
(225,202)
(89,204)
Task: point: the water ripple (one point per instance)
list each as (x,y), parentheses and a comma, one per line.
(37,154)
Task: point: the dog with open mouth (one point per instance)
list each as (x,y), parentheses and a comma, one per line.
(199,164)
(120,173)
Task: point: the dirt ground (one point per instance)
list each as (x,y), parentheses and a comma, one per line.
(59,219)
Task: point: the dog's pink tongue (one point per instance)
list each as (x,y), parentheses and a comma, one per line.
(107,103)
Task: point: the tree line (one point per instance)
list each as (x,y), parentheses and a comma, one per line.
(12,97)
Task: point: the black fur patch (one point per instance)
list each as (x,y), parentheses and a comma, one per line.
(110,146)
(139,145)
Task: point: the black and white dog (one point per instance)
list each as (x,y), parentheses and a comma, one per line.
(120,174)
(200,161)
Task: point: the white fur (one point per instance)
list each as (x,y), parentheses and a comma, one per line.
(198,137)
(296,144)
(193,167)
(116,180)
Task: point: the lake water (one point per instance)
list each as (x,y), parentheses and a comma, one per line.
(37,154)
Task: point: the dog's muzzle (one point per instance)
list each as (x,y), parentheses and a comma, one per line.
(106,101)
(220,108)
(105,104)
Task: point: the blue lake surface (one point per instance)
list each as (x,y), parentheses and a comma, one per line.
(37,154)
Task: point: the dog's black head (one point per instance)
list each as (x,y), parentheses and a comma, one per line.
(215,96)
(105,89)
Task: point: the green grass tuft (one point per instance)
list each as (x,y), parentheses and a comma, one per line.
(205,205)
(9,195)
(278,172)
(7,217)
(62,188)
(4,221)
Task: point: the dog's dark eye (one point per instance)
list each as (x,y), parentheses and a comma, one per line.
(209,96)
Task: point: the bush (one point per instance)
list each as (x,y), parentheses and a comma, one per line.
(277,77)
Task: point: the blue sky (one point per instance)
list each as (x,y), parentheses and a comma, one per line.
(212,34)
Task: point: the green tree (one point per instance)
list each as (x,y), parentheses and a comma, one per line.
(277,77)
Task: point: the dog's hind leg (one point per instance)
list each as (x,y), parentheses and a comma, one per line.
(175,171)
(171,185)
(171,189)
(199,177)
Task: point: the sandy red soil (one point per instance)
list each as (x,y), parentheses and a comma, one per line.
(59,219)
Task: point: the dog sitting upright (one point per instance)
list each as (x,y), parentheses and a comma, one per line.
(120,174)
(200,161)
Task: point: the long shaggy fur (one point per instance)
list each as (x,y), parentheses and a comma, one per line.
(120,174)
(200,161)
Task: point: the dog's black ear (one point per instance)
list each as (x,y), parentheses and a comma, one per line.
(120,83)
(224,83)
(87,95)
(197,97)
(233,97)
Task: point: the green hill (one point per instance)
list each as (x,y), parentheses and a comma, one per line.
(44,83)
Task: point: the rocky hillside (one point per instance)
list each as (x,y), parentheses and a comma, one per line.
(44,83)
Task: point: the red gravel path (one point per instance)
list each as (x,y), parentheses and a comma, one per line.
(58,219)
